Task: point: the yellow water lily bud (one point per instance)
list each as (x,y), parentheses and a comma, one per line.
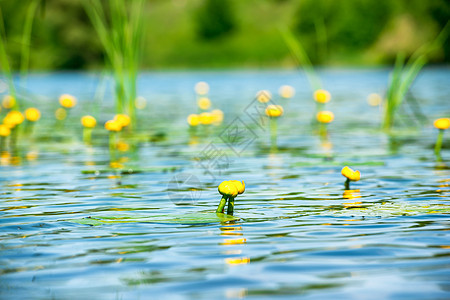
(140,102)
(374,99)
(228,188)
(88,121)
(322,96)
(274,111)
(325,116)
(193,120)
(8,101)
(122,119)
(60,114)
(217,116)
(204,103)
(32,114)
(442,123)
(206,118)
(263,96)
(201,88)
(4,130)
(351,174)
(13,118)
(239,185)
(67,101)
(113,125)
(286,91)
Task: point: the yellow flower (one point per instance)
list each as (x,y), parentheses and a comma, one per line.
(286,91)
(322,96)
(113,125)
(140,102)
(193,119)
(228,188)
(204,103)
(206,118)
(60,114)
(374,99)
(4,130)
(88,121)
(13,118)
(240,186)
(67,101)
(217,116)
(9,101)
(274,111)
(351,174)
(442,123)
(263,96)
(32,114)
(122,119)
(201,88)
(325,116)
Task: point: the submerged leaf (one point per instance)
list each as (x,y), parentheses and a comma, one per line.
(194,218)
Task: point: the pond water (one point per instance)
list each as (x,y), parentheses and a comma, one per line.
(298,232)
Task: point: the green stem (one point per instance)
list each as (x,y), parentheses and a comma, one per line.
(112,145)
(230,209)
(323,129)
(13,137)
(222,203)
(347,184)
(438,146)
(273,133)
(87,133)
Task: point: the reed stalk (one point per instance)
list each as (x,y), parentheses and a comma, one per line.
(303,61)
(119,26)
(4,61)
(404,74)
(26,38)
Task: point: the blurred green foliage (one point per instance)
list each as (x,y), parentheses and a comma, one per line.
(214,19)
(236,33)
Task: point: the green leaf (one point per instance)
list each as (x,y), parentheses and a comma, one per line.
(194,218)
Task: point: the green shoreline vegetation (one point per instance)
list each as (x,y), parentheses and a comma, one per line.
(234,34)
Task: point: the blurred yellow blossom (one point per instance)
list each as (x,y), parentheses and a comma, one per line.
(204,103)
(193,119)
(201,88)
(325,116)
(286,91)
(88,121)
(32,114)
(274,111)
(322,96)
(67,101)
(442,123)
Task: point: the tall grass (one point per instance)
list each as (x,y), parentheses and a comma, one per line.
(4,60)
(7,69)
(119,26)
(404,74)
(299,53)
(26,38)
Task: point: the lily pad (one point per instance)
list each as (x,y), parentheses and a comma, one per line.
(132,170)
(389,209)
(337,163)
(194,218)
